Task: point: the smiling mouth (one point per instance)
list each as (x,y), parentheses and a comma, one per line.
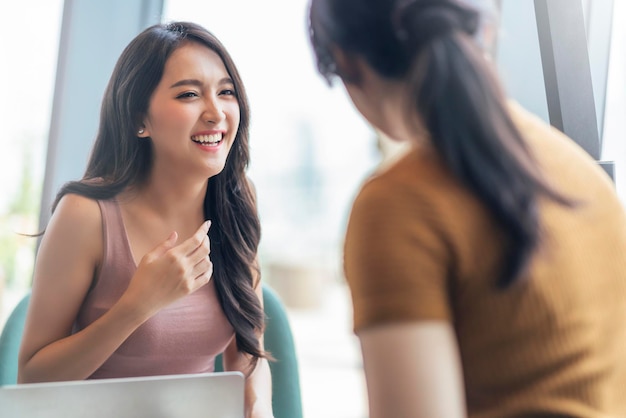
(213,139)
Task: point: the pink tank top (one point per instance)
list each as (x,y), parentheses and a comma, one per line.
(184,337)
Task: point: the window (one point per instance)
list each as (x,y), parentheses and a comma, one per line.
(614,132)
(29,53)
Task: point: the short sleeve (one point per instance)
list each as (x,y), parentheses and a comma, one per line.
(396,260)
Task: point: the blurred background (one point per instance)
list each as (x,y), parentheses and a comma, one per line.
(310,150)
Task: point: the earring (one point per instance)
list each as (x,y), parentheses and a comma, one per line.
(140,131)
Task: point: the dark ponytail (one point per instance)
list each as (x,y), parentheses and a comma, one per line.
(463,109)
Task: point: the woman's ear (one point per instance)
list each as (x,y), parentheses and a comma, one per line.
(348,66)
(142,130)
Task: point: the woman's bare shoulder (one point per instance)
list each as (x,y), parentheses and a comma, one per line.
(78,205)
(75,229)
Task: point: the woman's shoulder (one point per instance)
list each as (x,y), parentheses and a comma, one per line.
(73,236)
(560,157)
(77,206)
(76,216)
(418,175)
(542,136)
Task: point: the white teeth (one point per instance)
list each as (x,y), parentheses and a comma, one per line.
(207,139)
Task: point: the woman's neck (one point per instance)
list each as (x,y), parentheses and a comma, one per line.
(170,200)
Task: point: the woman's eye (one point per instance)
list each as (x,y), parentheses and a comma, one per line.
(187,94)
(228,92)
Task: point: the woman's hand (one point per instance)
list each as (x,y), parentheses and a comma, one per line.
(169,272)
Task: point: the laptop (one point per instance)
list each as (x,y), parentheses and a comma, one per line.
(214,395)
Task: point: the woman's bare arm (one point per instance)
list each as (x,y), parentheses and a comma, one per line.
(413,370)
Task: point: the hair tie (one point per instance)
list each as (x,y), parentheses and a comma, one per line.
(417,22)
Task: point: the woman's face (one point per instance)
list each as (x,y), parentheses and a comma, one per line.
(193,114)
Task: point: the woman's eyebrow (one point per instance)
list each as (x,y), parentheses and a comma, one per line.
(226,80)
(187,82)
(198,83)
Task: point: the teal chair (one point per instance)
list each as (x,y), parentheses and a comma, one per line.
(286,399)
(10,342)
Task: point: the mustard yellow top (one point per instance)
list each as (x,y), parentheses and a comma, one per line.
(420,246)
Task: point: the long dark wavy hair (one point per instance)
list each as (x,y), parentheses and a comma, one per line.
(429,43)
(120,160)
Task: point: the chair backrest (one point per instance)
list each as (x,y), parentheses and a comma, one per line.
(286,399)
(10,342)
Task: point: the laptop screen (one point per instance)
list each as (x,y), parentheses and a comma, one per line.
(216,395)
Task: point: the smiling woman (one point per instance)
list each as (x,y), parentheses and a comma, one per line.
(155,248)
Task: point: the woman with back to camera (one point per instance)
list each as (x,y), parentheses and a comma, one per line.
(486,266)
(148,265)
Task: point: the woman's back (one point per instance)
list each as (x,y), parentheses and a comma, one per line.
(421,247)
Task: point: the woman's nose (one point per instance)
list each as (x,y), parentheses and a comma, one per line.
(213,111)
